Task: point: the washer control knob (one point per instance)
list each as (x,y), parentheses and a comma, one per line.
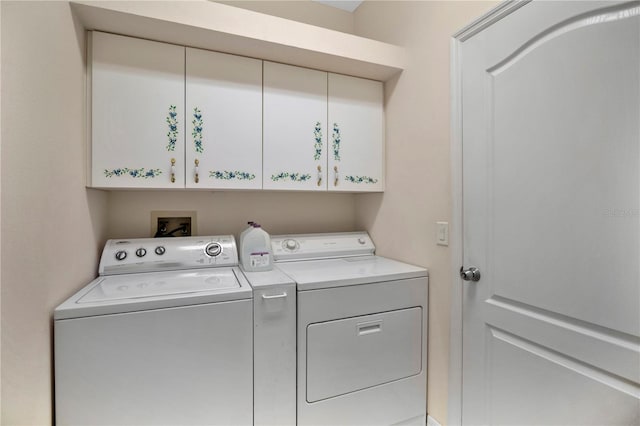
(361,240)
(213,249)
(121,255)
(290,244)
(160,250)
(141,252)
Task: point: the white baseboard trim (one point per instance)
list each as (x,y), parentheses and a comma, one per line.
(432,422)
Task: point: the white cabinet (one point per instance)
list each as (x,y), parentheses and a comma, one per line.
(295,127)
(224,121)
(322,131)
(356,134)
(166,116)
(137,110)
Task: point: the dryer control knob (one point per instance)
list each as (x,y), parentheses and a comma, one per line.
(290,244)
(141,252)
(213,249)
(121,255)
(361,240)
(160,250)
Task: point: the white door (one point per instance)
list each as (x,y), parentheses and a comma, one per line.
(137,113)
(295,128)
(224,115)
(551,190)
(355,134)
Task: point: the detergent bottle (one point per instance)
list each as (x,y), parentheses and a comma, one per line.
(255,249)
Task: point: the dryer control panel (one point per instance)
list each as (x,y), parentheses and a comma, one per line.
(321,246)
(167,254)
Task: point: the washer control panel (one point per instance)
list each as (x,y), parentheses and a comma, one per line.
(165,254)
(321,246)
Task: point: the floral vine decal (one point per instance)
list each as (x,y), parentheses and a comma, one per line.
(172,134)
(134,173)
(294,177)
(360,179)
(335,136)
(317,134)
(228,175)
(197,129)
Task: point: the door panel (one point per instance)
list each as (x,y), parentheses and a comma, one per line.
(295,128)
(224,115)
(137,113)
(534,386)
(551,136)
(356,122)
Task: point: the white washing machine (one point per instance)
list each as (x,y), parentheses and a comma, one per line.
(361,331)
(162,336)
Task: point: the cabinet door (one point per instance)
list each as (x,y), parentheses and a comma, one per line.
(224,114)
(137,113)
(356,134)
(295,116)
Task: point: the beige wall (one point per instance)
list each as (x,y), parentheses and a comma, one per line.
(228,212)
(418,193)
(51,225)
(305,11)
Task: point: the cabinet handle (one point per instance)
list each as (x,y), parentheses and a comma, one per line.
(336,176)
(173,170)
(197,176)
(275,296)
(319,175)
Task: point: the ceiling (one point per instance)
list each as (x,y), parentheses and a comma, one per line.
(347,5)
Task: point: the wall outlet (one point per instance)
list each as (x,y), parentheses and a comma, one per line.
(173,223)
(442,233)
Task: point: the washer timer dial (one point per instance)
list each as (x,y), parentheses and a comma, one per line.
(213,249)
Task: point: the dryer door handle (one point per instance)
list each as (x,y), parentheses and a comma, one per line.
(369,327)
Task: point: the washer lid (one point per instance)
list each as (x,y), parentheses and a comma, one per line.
(133,286)
(315,274)
(154,290)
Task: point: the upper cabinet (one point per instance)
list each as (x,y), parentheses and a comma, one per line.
(356,134)
(166,116)
(137,113)
(295,127)
(322,131)
(224,121)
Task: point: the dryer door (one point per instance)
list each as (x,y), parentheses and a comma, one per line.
(351,354)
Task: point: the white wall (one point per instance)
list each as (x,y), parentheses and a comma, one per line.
(402,220)
(52,227)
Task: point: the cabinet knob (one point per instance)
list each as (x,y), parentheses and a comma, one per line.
(173,170)
(197,175)
(319,175)
(336,176)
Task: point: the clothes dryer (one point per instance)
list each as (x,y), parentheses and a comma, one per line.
(361,331)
